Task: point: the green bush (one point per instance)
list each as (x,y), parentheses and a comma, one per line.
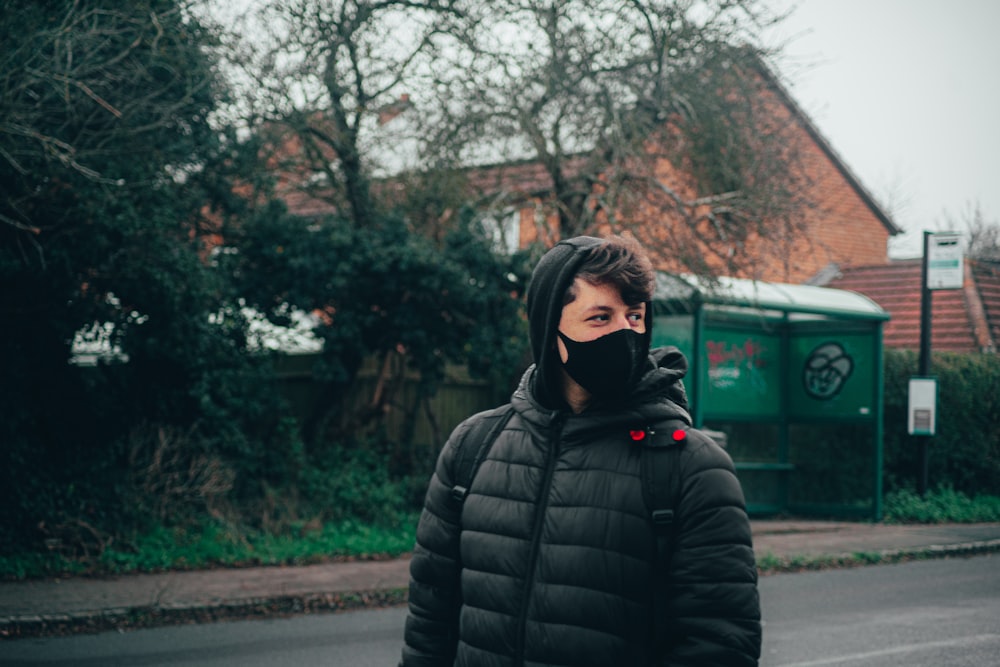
(965,452)
(943,504)
(353,482)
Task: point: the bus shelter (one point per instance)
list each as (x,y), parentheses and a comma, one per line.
(790,378)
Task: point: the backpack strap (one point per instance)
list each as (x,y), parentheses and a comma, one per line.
(660,471)
(474,445)
(661,486)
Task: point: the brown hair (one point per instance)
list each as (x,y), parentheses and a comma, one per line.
(619,261)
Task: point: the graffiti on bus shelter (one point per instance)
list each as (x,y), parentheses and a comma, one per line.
(738,363)
(826,370)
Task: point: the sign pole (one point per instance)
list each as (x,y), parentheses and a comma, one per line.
(942,268)
(924,364)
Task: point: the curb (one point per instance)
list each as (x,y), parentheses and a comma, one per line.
(787,564)
(148,616)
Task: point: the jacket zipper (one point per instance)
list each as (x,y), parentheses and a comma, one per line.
(536,533)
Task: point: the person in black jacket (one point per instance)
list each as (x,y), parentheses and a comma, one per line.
(554,558)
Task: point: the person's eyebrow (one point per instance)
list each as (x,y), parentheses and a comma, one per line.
(598,308)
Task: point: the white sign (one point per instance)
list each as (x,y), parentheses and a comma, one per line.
(921,415)
(944,261)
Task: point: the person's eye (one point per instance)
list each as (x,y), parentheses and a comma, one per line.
(636,317)
(599,318)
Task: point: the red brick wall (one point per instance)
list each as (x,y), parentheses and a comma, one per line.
(833,224)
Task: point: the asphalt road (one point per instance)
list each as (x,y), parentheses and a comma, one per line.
(922,614)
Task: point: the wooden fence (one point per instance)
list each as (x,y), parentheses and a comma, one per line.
(458,397)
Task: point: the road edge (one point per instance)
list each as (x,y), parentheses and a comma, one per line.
(125,619)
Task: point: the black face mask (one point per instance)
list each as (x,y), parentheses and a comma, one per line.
(607,366)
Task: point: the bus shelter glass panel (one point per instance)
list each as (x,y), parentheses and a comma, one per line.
(677,330)
(833,468)
(832,404)
(742,373)
(832,376)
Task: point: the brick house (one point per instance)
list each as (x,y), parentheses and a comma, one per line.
(841,224)
(844,244)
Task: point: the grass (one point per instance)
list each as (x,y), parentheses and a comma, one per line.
(214,544)
(769,563)
(217,544)
(942,505)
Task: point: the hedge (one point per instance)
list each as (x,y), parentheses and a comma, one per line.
(964,453)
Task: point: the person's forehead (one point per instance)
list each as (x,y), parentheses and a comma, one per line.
(602,295)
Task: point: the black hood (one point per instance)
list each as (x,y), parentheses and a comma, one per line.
(551,278)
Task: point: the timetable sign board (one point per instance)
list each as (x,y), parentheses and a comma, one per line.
(944,261)
(922,408)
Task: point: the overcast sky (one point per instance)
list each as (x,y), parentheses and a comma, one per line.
(908,93)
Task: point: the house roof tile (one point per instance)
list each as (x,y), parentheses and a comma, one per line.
(987,278)
(962,320)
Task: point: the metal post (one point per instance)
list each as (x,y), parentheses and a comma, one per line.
(699,372)
(877,434)
(924,364)
(784,433)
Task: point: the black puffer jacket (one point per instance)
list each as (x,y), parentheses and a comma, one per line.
(550,561)
(552,558)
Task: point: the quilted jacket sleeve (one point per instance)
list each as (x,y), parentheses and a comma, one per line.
(431,631)
(713,607)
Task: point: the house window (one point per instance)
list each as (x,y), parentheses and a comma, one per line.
(504,229)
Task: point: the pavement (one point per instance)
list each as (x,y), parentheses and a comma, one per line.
(87,604)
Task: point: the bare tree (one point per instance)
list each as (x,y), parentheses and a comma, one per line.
(324,80)
(322,75)
(655,116)
(982,235)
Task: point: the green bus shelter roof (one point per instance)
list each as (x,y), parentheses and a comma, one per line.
(783,297)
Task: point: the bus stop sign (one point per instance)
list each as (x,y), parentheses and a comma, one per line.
(944,261)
